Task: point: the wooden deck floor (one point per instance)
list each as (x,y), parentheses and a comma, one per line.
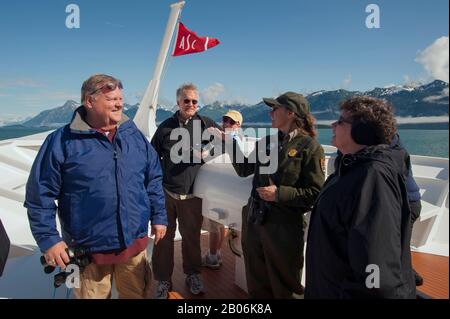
(219,284)
(434,270)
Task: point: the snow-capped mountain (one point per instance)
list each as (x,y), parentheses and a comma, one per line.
(54,117)
(431,99)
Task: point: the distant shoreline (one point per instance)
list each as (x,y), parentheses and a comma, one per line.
(409,126)
(428,139)
(16,131)
(321,124)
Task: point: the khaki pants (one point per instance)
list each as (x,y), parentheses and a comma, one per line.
(132,279)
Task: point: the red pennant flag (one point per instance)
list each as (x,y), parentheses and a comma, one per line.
(189,42)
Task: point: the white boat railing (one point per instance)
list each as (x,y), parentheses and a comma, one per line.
(431,233)
(223,192)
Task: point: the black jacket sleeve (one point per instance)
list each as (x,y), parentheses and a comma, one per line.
(241,163)
(4,247)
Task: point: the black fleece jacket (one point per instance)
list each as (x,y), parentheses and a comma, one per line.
(179,177)
(360,222)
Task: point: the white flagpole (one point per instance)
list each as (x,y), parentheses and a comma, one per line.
(145,118)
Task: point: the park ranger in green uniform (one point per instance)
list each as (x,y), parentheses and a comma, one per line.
(272,221)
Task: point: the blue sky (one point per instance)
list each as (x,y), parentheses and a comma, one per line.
(267,47)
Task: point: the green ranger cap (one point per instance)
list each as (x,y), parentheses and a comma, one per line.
(292,101)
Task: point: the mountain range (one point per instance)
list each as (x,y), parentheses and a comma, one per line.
(431,99)
(62,115)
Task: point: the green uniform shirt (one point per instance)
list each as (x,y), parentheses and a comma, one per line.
(299,175)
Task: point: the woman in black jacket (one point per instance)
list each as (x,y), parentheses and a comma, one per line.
(360,227)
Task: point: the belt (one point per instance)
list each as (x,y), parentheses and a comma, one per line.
(179,196)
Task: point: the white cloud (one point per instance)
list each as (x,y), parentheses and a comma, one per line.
(133,97)
(42,97)
(435,59)
(29,83)
(167,104)
(240,100)
(347,82)
(409,82)
(212,93)
(435,98)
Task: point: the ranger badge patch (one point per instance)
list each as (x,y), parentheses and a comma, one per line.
(292,152)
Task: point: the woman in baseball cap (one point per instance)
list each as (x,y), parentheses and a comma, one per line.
(272,221)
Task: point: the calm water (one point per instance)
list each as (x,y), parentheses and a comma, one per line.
(418,142)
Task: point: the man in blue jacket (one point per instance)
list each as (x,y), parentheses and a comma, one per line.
(104,179)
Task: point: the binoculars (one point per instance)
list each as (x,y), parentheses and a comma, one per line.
(77,256)
(257,211)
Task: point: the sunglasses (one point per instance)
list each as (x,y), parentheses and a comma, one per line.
(228,120)
(342,120)
(187,101)
(274,108)
(108,87)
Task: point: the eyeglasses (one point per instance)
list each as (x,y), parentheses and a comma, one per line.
(108,87)
(274,109)
(228,120)
(187,101)
(343,120)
